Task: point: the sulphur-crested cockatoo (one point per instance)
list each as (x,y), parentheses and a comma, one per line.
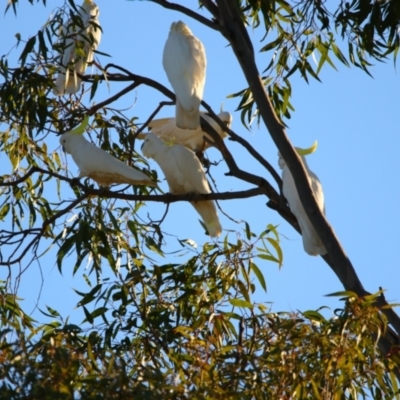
(78,45)
(184,174)
(98,164)
(184,61)
(311,242)
(193,139)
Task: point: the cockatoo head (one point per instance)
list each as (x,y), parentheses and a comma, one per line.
(152,145)
(226,117)
(68,138)
(90,8)
(181,27)
(301,152)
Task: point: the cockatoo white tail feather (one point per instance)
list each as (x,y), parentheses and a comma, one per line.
(184,61)
(166,129)
(97,164)
(311,242)
(184,174)
(78,46)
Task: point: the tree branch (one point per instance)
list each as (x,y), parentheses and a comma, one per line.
(138,80)
(87,192)
(211,7)
(275,199)
(234,170)
(41,231)
(113,98)
(129,76)
(163,198)
(236,138)
(337,259)
(340,263)
(188,12)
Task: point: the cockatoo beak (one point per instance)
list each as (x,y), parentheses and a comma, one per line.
(80,129)
(309,150)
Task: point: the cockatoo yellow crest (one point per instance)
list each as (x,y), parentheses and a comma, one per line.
(184,174)
(78,46)
(80,129)
(308,150)
(166,129)
(98,164)
(311,242)
(184,61)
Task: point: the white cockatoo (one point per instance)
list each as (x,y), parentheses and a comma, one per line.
(311,242)
(78,44)
(97,164)
(184,174)
(184,61)
(193,139)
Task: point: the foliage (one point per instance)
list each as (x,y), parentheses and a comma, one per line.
(156,325)
(190,348)
(301,37)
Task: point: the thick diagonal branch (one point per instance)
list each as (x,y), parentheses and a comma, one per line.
(233,29)
(340,263)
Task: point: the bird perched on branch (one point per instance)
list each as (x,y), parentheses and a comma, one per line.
(166,129)
(184,174)
(97,164)
(184,61)
(311,242)
(79,38)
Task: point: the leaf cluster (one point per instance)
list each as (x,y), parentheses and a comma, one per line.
(300,37)
(195,350)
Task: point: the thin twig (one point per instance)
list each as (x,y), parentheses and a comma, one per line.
(141,129)
(113,98)
(188,12)
(42,230)
(236,138)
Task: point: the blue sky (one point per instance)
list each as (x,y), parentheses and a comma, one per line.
(354,117)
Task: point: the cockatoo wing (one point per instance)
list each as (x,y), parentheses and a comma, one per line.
(160,122)
(74,60)
(166,129)
(184,174)
(311,242)
(100,166)
(192,179)
(68,55)
(170,133)
(184,62)
(92,33)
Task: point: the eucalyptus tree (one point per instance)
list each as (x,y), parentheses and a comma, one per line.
(181,327)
